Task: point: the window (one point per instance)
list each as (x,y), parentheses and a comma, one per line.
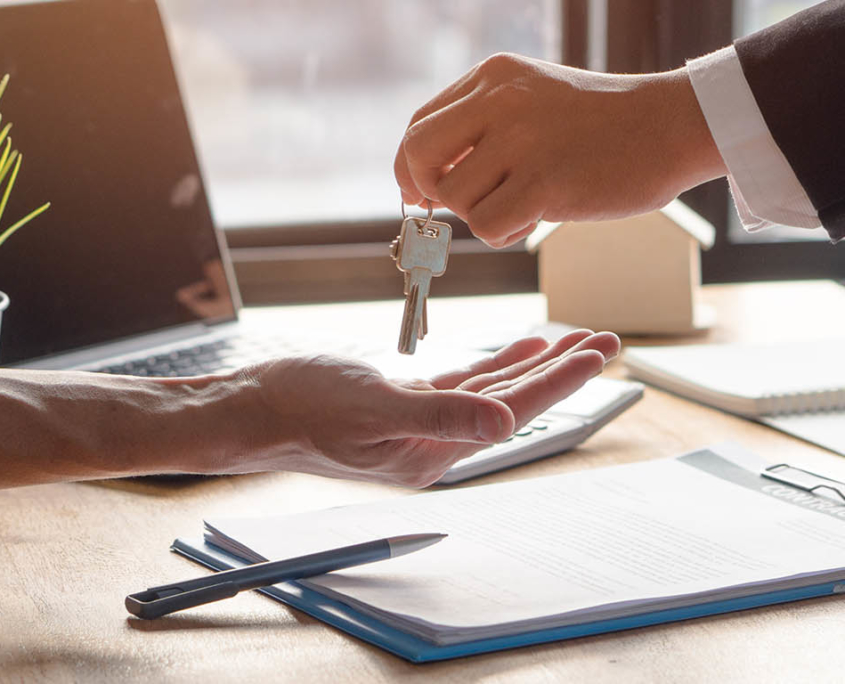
(298,106)
(752,15)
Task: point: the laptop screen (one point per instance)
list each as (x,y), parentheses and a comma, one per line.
(128,245)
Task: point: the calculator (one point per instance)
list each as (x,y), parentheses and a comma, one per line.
(564,426)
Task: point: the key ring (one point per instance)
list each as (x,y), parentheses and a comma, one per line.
(427,223)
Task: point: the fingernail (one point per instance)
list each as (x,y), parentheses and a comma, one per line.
(489,424)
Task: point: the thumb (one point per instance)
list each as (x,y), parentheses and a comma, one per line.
(451,416)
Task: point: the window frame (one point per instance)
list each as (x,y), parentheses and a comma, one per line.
(350,262)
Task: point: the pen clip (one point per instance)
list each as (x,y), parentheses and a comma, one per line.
(803,479)
(154,603)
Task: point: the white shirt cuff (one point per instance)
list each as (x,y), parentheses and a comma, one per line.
(764,186)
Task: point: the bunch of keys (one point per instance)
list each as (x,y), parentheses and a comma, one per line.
(420,251)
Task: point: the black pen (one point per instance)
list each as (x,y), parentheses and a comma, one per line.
(168,598)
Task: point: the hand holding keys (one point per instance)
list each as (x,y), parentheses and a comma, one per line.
(421,251)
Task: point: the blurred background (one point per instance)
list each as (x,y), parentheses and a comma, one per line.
(297,107)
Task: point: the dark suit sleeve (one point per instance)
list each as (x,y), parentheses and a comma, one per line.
(796,70)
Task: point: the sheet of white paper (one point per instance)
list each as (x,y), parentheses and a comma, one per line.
(826,429)
(530,549)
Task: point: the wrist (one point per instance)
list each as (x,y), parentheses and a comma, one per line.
(695,155)
(145,426)
(219,425)
(63,426)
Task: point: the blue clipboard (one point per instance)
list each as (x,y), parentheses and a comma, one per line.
(418,650)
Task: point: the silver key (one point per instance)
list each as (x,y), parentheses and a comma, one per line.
(421,252)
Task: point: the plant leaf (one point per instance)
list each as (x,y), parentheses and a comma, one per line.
(10,185)
(6,164)
(5,154)
(7,159)
(20,224)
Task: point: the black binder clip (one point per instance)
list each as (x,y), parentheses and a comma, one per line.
(803,479)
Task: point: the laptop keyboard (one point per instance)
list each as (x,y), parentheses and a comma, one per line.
(210,357)
(220,355)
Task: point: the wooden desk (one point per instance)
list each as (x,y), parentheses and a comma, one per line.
(71,552)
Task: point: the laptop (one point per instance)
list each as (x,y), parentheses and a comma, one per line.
(126,272)
(127,258)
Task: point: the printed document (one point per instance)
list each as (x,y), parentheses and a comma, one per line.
(569,549)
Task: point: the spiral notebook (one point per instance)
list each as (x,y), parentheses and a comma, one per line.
(798,388)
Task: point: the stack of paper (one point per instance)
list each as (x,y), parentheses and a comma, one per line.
(590,551)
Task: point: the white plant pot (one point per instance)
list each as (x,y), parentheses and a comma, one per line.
(4,304)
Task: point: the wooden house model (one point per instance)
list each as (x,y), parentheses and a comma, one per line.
(639,275)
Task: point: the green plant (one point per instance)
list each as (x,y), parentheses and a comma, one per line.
(10,160)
